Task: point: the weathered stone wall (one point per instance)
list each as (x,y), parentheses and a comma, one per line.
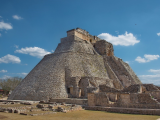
(117,99)
(70,101)
(146,99)
(150,87)
(91,99)
(112,75)
(124,74)
(98,99)
(124,98)
(75,44)
(48,79)
(83,34)
(112,96)
(134,77)
(74,69)
(104,48)
(81,85)
(132,89)
(104,88)
(125,110)
(155,95)
(140,98)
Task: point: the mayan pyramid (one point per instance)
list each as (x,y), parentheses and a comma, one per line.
(81,62)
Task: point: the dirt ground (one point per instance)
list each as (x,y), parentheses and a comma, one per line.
(79,115)
(3,98)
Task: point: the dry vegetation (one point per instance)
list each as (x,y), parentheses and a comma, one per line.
(79,115)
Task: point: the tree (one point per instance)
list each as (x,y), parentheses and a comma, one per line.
(9,84)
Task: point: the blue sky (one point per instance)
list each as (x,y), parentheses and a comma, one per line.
(29,29)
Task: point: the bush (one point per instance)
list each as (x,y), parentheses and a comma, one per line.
(9,84)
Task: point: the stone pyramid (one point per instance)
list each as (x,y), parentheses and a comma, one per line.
(80,63)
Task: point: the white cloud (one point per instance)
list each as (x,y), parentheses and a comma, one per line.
(10,59)
(140,60)
(0,16)
(125,40)
(33,51)
(147,58)
(158,34)
(155,78)
(127,62)
(52,50)
(3,71)
(5,26)
(0,34)
(23,74)
(16,46)
(6,76)
(155,71)
(17,17)
(117,32)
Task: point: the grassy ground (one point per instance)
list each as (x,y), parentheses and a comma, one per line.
(79,115)
(16,105)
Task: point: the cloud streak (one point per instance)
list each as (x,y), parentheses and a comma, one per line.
(10,59)
(5,26)
(33,51)
(17,17)
(147,58)
(126,39)
(16,46)
(3,71)
(155,71)
(6,77)
(158,34)
(154,78)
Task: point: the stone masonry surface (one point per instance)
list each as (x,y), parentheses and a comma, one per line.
(80,64)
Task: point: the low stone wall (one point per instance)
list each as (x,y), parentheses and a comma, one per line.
(71,101)
(125,110)
(145,106)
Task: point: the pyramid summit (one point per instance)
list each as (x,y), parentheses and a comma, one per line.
(80,64)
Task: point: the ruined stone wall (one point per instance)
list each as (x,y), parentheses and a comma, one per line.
(105,88)
(155,95)
(117,84)
(146,99)
(83,85)
(82,34)
(124,98)
(131,72)
(91,99)
(113,96)
(75,44)
(70,101)
(135,98)
(150,87)
(98,99)
(124,74)
(132,89)
(104,48)
(125,110)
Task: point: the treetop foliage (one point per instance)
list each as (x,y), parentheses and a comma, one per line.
(10,84)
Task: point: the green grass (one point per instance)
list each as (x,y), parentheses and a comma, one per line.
(79,115)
